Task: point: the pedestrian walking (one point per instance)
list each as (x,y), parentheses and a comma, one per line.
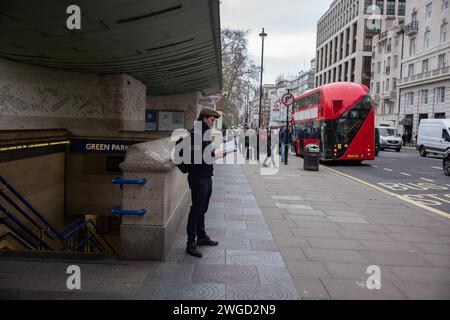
(270,149)
(404,139)
(247,143)
(200,183)
(283,139)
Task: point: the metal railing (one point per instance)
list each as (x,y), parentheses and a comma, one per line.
(121,182)
(412,27)
(44,231)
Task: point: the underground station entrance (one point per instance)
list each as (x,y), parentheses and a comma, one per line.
(86,115)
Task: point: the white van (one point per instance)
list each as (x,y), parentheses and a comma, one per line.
(434,136)
(389,138)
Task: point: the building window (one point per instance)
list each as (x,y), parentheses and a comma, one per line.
(440,95)
(379,67)
(390,7)
(440,115)
(444,32)
(397,41)
(394,84)
(425,65)
(391,108)
(401,7)
(410,98)
(380,5)
(427,40)
(414,16)
(442,61)
(367,5)
(395,62)
(387,85)
(411,70)
(429,11)
(412,46)
(378,88)
(444,5)
(424,97)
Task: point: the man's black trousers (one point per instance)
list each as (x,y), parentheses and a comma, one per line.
(201,190)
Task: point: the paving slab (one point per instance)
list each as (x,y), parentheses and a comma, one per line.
(357,290)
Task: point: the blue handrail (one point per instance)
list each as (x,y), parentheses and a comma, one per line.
(119,211)
(21,198)
(70,226)
(129,181)
(25,228)
(63,234)
(26,215)
(99,232)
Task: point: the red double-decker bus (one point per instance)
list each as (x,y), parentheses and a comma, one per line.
(340,118)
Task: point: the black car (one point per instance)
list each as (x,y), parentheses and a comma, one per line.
(446,163)
(377,141)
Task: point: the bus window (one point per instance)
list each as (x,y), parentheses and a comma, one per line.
(350,123)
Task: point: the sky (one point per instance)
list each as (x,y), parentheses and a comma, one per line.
(291,26)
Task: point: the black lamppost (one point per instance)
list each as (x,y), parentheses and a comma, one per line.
(287,142)
(262,35)
(247,111)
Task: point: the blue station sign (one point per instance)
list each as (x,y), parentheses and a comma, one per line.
(100,146)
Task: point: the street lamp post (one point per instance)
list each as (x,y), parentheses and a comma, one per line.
(286,147)
(262,35)
(247,111)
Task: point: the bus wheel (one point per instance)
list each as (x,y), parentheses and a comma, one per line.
(423,152)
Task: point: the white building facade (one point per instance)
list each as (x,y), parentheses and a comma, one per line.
(344,38)
(424,86)
(386,66)
(299,85)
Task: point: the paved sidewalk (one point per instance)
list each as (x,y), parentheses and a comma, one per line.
(246,265)
(329,229)
(295,235)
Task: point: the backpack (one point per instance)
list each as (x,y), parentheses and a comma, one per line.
(183,167)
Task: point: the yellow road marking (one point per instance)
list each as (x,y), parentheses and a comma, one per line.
(403,198)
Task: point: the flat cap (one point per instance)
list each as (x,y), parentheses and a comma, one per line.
(209,112)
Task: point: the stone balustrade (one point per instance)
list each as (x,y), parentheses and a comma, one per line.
(165,197)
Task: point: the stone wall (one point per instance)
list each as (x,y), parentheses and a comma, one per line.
(86,104)
(165,197)
(188,103)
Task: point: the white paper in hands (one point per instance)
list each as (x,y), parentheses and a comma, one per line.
(228,147)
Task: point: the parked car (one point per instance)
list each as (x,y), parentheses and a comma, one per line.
(446,163)
(389,138)
(433,137)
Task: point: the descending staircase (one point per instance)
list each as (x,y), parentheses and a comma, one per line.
(24,228)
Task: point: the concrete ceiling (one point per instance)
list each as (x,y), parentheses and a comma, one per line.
(171,45)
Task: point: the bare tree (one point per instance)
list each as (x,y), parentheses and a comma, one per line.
(239,72)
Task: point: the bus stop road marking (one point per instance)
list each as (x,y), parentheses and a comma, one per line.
(398,196)
(425,179)
(390,170)
(405,174)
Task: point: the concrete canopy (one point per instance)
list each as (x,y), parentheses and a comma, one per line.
(171,45)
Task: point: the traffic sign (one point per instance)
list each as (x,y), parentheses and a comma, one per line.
(215,98)
(287,99)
